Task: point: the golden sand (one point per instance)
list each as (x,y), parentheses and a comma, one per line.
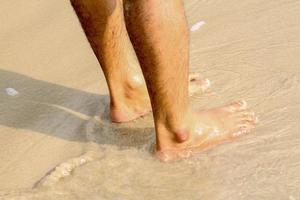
(56,141)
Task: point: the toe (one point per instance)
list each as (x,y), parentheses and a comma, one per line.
(245,124)
(240,132)
(198,84)
(251,119)
(243,128)
(199,80)
(194,77)
(242,124)
(238,106)
(248,116)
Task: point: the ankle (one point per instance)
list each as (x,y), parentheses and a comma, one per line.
(124,88)
(129,99)
(173,134)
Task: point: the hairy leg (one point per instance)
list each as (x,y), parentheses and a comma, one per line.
(160,36)
(104,25)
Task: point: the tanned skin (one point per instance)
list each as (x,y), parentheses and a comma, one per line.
(160,44)
(104,25)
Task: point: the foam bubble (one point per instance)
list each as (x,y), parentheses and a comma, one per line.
(198,25)
(206,85)
(199,129)
(11,92)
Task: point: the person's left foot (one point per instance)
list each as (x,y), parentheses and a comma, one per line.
(135,102)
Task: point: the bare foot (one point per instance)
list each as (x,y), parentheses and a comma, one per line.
(206,129)
(135,101)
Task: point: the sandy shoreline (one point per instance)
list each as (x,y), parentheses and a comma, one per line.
(57,111)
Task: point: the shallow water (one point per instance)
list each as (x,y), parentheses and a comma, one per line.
(249,50)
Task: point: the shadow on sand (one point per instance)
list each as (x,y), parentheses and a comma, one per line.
(63,112)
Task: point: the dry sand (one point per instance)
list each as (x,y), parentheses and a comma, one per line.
(55,112)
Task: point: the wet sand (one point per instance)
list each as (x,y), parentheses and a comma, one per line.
(56,141)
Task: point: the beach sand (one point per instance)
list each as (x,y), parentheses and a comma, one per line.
(56,141)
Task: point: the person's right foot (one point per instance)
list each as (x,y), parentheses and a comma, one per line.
(204,130)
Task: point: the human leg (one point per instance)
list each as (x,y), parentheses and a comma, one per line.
(158,30)
(104,25)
